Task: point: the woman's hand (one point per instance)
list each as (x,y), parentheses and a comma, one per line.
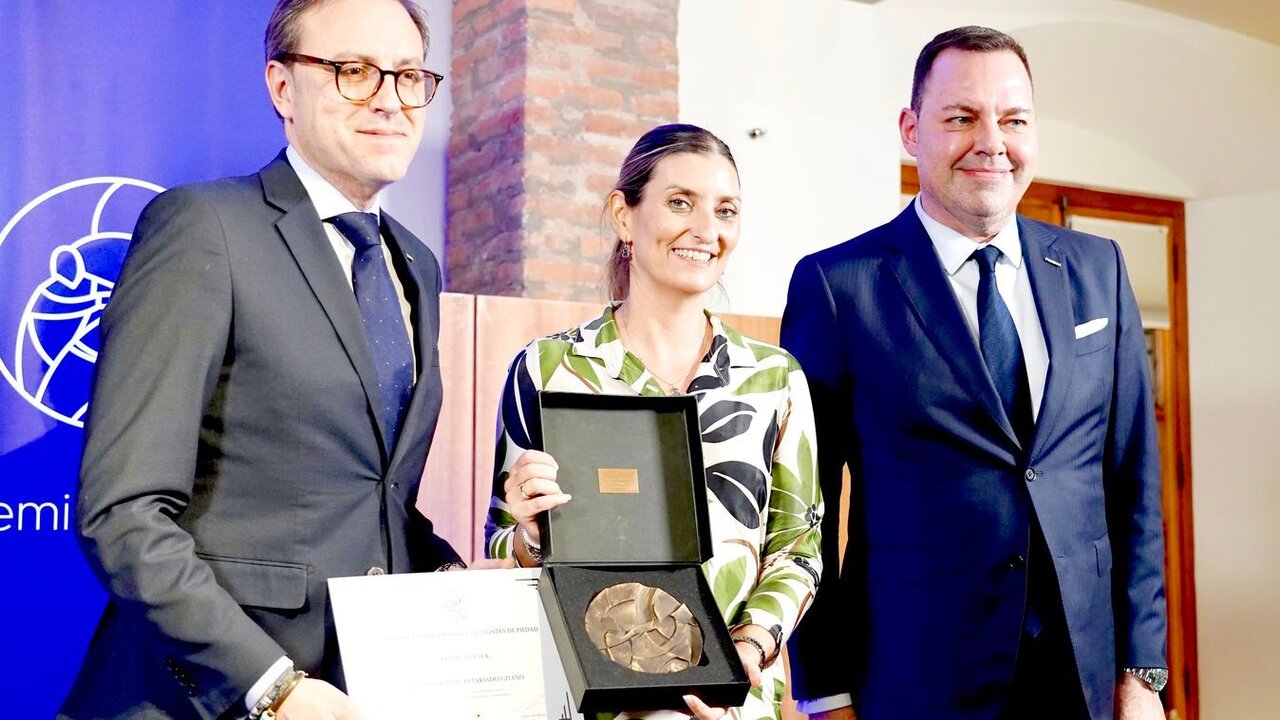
(530,489)
(751,656)
(491,564)
(703,711)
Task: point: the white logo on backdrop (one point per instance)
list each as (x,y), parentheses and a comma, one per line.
(55,343)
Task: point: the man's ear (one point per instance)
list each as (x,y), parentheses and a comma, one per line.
(908,126)
(280,87)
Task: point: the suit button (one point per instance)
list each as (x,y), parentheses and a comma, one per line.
(1017,562)
(375,570)
(1030,474)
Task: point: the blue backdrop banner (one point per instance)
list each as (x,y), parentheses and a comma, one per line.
(108,103)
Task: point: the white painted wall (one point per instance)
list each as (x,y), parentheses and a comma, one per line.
(418,200)
(1232,255)
(1129,99)
(1146,254)
(827,164)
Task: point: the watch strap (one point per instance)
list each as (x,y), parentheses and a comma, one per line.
(1155,678)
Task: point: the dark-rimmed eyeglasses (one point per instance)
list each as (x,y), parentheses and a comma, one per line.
(358,81)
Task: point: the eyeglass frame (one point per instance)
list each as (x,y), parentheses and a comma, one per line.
(337,65)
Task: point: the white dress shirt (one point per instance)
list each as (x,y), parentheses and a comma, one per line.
(1014,285)
(1012,281)
(329,202)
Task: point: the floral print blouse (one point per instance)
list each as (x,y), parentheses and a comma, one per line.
(761,467)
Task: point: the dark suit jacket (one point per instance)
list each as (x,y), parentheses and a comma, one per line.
(925,618)
(233,456)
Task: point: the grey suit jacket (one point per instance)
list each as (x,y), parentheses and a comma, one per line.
(234,460)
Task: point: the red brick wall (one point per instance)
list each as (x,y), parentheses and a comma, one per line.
(548,97)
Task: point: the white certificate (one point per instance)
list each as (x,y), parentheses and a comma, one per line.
(462,644)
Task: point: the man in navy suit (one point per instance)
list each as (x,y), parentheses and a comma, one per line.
(266,394)
(984,378)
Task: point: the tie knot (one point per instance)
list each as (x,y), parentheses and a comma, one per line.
(360,228)
(987,255)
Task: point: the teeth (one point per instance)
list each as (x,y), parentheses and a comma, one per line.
(696,255)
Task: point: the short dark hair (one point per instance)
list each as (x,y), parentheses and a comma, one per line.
(970,38)
(282,29)
(652,147)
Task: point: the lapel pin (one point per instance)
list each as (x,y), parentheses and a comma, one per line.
(410,257)
(1053,262)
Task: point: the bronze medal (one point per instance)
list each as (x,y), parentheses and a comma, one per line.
(644,628)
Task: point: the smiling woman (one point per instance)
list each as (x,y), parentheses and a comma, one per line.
(675,210)
(685,145)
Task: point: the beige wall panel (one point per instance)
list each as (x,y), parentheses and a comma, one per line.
(448,479)
(504,325)
(754,326)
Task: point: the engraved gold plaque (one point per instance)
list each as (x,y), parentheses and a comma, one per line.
(644,628)
(618,481)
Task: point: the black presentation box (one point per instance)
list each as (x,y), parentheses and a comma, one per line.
(638,514)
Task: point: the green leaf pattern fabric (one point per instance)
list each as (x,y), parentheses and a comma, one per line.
(765,508)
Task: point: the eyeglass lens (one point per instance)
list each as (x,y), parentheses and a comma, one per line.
(359,81)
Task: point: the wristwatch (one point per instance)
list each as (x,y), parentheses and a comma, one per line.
(1155,678)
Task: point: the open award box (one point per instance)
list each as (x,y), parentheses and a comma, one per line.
(634,621)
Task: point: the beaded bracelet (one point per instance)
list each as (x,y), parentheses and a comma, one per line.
(534,549)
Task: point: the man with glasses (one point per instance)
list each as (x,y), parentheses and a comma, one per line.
(266,393)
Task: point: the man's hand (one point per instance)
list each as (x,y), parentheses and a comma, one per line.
(317,700)
(844,713)
(1135,701)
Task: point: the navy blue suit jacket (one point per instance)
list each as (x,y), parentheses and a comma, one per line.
(924,619)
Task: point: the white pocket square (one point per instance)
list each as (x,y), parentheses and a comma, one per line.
(1091,327)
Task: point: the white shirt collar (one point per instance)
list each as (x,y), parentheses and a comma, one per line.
(329,201)
(954,249)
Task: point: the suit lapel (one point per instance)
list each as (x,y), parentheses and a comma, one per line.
(1051,286)
(417,289)
(304,234)
(920,273)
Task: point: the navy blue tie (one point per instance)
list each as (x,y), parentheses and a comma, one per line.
(1000,347)
(383,320)
(1003,354)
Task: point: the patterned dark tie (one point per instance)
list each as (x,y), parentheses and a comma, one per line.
(1003,353)
(1000,347)
(383,321)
